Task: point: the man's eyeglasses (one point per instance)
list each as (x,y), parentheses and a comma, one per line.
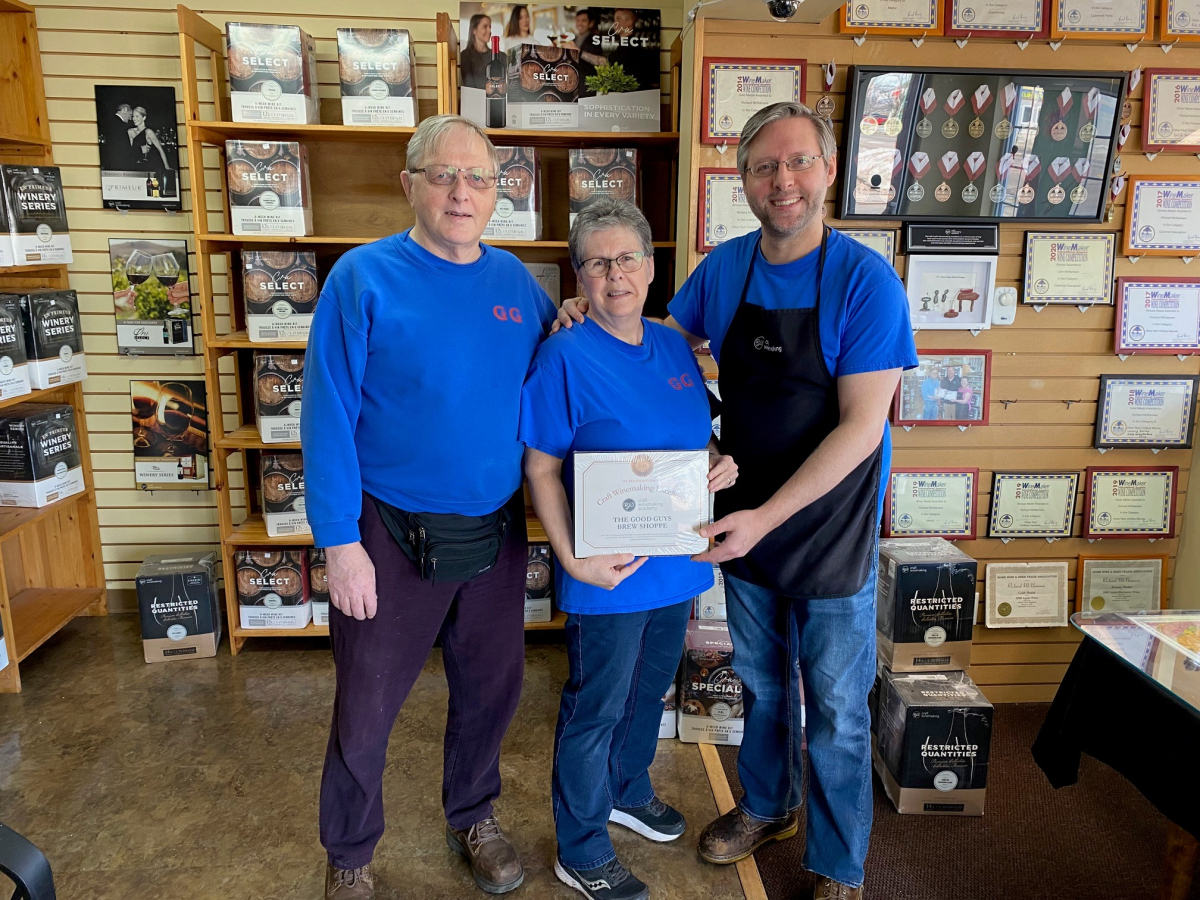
(597,266)
(799,163)
(444,176)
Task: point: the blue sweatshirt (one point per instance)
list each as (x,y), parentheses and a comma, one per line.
(412,383)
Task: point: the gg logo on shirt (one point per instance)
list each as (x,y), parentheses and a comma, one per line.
(681,382)
(512,315)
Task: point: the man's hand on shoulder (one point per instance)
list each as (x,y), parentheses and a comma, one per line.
(351,580)
(572,311)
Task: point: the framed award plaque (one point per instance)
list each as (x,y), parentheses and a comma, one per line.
(1162,217)
(1069,269)
(1158,316)
(1171,111)
(722,208)
(1179,20)
(949,387)
(1019,20)
(1117,584)
(913,17)
(1129,502)
(1033,504)
(735,89)
(1026,595)
(931,503)
(883,242)
(1102,20)
(1145,411)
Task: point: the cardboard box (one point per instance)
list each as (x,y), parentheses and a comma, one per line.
(710,606)
(278,385)
(177,599)
(40,459)
(281,290)
(933,742)
(283,494)
(272,74)
(14,368)
(376,69)
(666,726)
(269,189)
(272,588)
(549,277)
(925,612)
(543,74)
(518,212)
(53,338)
(600,173)
(539,584)
(710,692)
(36,215)
(318,586)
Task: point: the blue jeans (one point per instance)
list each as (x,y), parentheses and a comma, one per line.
(829,647)
(620,665)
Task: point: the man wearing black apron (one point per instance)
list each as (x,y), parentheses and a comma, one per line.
(811,331)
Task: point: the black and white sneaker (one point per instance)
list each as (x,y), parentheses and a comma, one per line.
(611,881)
(655,820)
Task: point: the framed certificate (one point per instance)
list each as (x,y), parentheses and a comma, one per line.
(1026,595)
(1158,315)
(948,387)
(1018,20)
(1162,217)
(1171,111)
(1101,20)
(1128,502)
(735,89)
(1073,269)
(883,242)
(931,503)
(1146,411)
(724,212)
(892,17)
(1033,504)
(951,292)
(1179,20)
(1107,584)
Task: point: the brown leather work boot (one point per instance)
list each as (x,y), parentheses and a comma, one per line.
(494,861)
(735,836)
(349,884)
(828,889)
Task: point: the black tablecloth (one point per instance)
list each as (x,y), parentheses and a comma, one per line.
(1109,710)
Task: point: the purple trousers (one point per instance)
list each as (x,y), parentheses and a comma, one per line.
(481,626)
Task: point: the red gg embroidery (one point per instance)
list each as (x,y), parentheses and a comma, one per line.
(681,382)
(511,315)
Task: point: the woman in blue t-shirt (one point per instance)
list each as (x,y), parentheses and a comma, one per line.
(616,382)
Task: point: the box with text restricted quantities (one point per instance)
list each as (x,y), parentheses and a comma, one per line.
(177,600)
(272,588)
(710,691)
(272,74)
(318,586)
(40,458)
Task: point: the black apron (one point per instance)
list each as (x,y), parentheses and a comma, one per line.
(778,403)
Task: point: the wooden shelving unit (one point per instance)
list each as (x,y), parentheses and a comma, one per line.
(50,564)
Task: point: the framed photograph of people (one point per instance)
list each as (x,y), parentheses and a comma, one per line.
(951,292)
(1129,502)
(948,387)
(1019,20)
(1162,217)
(735,89)
(139,147)
(883,242)
(1171,110)
(1071,269)
(931,503)
(1158,316)
(913,17)
(1026,595)
(1033,504)
(1116,584)
(1102,20)
(1146,411)
(1179,20)
(723,210)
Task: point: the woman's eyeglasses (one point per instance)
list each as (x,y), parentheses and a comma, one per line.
(444,176)
(793,163)
(597,266)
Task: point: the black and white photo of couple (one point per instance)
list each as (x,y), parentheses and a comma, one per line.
(139,151)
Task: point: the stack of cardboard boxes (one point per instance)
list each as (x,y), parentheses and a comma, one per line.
(709,703)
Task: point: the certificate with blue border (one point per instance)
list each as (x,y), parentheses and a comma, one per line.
(1162,217)
(1033,504)
(931,503)
(1145,411)
(883,242)
(735,89)
(1069,268)
(1130,502)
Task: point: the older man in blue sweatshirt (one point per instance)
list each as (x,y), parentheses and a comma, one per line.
(413,486)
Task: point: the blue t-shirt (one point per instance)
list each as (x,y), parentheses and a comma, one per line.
(590,391)
(865,325)
(412,383)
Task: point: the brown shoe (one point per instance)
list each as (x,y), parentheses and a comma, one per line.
(828,889)
(494,861)
(349,884)
(735,836)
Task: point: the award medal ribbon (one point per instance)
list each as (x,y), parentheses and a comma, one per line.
(1122,136)
(1091,108)
(973,167)
(1058,128)
(1135,78)
(1008,100)
(953,104)
(948,166)
(825,104)
(927,103)
(1031,167)
(980,101)
(1003,167)
(1060,168)
(918,167)
(1080,171)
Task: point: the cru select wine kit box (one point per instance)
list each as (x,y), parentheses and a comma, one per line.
(600,173)
(710,692)
(539,584)
(518,212)
(278,385)
(53,338)
(281,290)
(272,74)
(36,216)
(177,599)
(269,190)
(40,459)
(272,588)
(318,586)
(375,68)
(283,494)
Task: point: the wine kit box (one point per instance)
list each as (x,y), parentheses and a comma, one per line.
(272,588)
(925,605)
(666,726)
(543,74)
(272,74)
(281,290)
(549,278)
(14,368)
(278,385)
(376,68)
(600,173)
(539,584)
(710,692)
(318,586)
(40,459)
(283,494)
(180,612)
(7,258)
(269,190)
(36,215)
(53,338)
(518,212)
(710,605)
(933,742)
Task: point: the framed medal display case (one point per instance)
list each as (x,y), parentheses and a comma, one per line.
(1016,20)
(968,145)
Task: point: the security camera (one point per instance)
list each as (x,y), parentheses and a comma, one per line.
(782,10)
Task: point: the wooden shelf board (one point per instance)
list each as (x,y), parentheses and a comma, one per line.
(253,533)
(536,533)
(43,395)
(11,141)
(14,519)
(220,242)
(15,6)
(30,271)
(558,620)
(310,630)
(246,437)
(240,340)
(38,614)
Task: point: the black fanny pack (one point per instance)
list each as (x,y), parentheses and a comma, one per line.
(447,546)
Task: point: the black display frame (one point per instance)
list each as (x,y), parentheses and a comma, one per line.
(853,135)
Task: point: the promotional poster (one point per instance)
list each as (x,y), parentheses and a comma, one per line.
(151,296)
(170,434)
(139,147)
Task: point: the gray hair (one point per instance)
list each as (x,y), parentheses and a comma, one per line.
(432,131)
(603,215)
(774,113)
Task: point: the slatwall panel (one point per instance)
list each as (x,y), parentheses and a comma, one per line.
(91,42)
(1040,362)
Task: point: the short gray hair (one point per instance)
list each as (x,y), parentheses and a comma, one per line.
(603,215)
(787,110)
(430,134)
